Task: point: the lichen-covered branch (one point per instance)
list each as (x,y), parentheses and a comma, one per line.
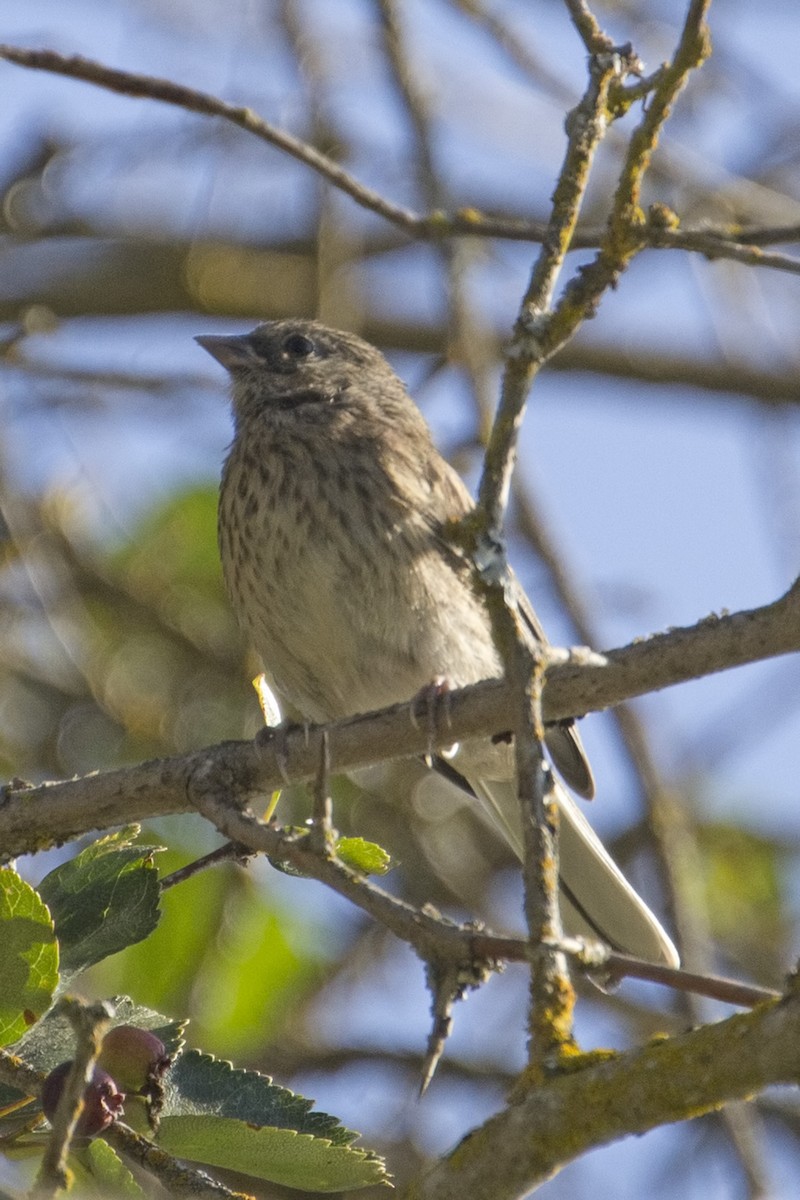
(610,1096)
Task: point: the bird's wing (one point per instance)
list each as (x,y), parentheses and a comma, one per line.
(450,501)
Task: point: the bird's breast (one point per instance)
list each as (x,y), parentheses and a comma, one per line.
(343,587)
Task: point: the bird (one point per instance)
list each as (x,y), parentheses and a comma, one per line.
(333,515)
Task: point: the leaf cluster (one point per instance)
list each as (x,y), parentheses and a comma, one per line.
(94,905)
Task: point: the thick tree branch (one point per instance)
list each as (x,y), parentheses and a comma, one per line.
(32,818)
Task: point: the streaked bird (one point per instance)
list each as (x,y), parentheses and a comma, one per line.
(333,513)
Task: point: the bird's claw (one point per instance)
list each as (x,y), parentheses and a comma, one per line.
(433,703)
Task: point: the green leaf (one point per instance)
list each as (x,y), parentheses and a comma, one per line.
(100,1172)
(103,900)
(200,1085)
(280,1155)
(367,857)
(28,956)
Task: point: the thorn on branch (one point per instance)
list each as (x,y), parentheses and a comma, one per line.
(447,982)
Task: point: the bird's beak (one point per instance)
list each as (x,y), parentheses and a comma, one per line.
(232,352)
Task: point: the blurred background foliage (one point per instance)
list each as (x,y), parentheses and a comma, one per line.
(658,480)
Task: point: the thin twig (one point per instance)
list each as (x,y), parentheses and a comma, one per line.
(593,957)
(552,998)
(435,938)
(584,20)
(227,853)
(152,88)
(89,1022)
(586,126)
(738,244)
(713,244)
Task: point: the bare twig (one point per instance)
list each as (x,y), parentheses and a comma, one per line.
(625,236)
(585,126)
(459,948)
(149,87)
(89,1022)
(539,331)
(321,832)
(584,20)
(594,956)
(736,243)
(227,853)
(713,245)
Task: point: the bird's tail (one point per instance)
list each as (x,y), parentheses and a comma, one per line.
(596,898)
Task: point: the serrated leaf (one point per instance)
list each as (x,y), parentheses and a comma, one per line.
(200,1085)
(104,899)
(28,956)
(100,1172)
(280,1155)
(367,857)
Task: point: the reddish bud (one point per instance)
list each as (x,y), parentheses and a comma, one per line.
(102,1099)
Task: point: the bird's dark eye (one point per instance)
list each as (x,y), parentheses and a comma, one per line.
(298,345)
